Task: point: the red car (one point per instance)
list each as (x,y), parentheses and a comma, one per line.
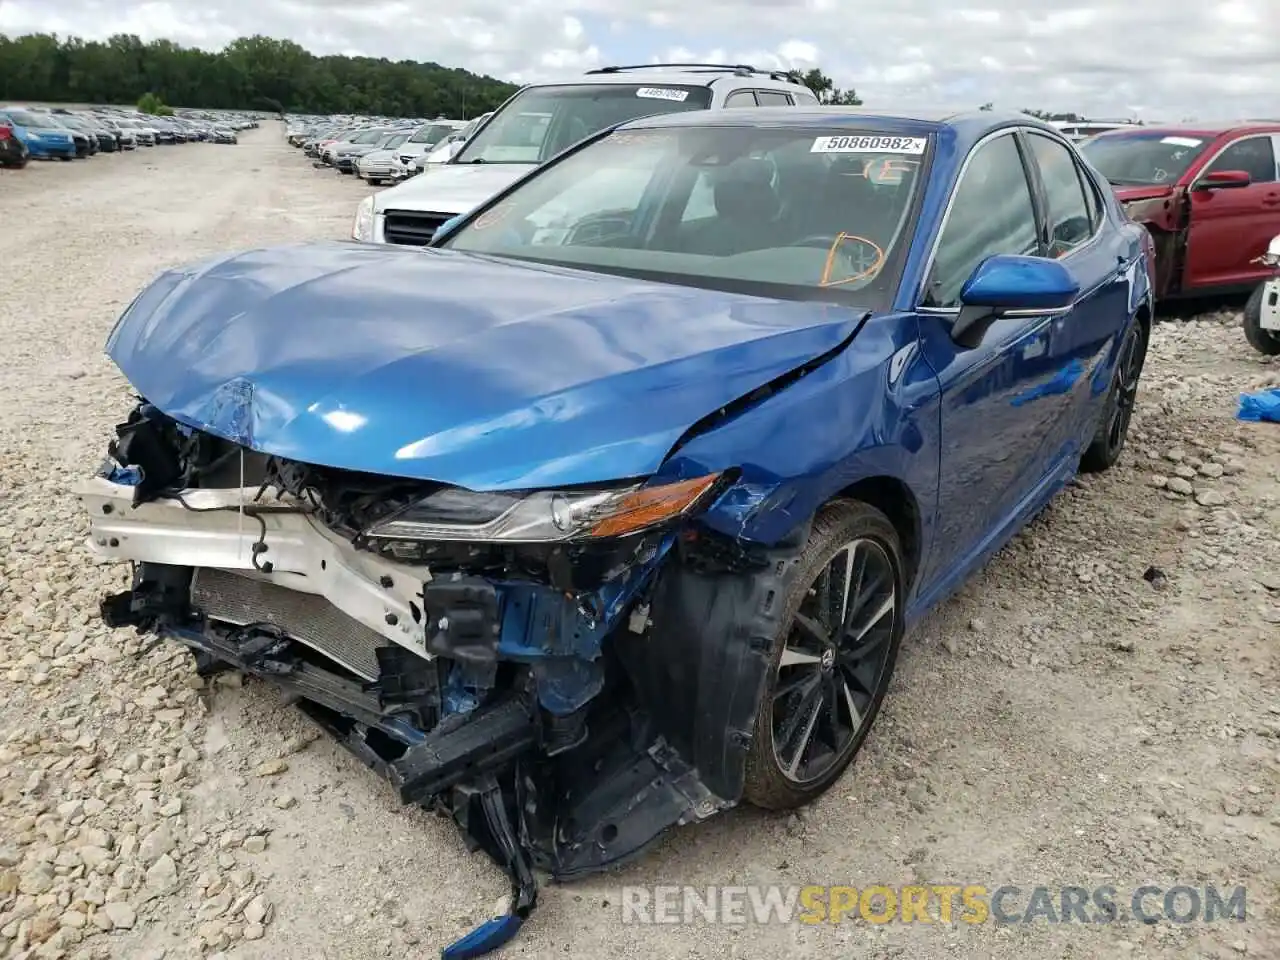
(1209,194)
(13,152)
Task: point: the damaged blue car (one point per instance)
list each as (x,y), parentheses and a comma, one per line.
(608,511)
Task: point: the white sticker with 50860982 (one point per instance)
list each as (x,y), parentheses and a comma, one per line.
(663,93)
(869,144)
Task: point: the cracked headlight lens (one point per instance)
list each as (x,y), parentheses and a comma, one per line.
(544,516)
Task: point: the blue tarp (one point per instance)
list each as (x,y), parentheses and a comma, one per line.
(1264,405)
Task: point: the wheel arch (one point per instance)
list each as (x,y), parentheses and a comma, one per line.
(892,497)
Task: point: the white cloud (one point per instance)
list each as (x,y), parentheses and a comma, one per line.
(1093,56)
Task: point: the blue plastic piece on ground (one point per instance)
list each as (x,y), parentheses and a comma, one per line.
(1257,407)
(125,476)
(487,937)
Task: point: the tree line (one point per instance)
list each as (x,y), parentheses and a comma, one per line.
(252,73)
(263,73)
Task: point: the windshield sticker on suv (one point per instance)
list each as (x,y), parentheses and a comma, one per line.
(492,217)
(908,145)
(1182,141)
(663,93)
(643,138)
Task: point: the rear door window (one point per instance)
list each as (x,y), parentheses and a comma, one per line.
(772,98)
(1070,222)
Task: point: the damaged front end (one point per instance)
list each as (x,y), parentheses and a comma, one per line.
(564,673)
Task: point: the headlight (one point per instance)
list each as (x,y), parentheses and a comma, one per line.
(362,229)
(544,516)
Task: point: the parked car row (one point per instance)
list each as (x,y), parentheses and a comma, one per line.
(379,150)
(59,133)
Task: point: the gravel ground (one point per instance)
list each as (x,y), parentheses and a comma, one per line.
(1065,720)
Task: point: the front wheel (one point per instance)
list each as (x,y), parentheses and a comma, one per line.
(1108,443)
(833,660)
(1266,342)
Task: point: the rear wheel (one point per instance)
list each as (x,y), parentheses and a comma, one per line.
(833,660)
(1108,443)
(1266,342)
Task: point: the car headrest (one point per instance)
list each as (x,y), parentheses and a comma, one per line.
(744,189)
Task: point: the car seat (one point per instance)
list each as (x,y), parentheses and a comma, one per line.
(747,208)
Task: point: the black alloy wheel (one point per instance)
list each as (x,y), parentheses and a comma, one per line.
(1108,442)
(834,661)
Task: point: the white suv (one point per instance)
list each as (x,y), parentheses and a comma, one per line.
(540,120)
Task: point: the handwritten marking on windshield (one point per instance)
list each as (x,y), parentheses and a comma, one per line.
(866,265)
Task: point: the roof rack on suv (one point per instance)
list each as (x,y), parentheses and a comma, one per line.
(738,69)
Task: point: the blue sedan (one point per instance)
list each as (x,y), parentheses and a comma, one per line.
(40,134)
(609,510)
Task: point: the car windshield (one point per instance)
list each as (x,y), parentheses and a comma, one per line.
(539,122)
(394,141)
(432,133)
(1149,158)
(369,136)
(24,118)
(791,213)
(470,128)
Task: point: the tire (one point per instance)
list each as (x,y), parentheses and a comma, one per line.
(1266,342)
(812,755)
(1113,429)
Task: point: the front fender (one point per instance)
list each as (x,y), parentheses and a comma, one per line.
(870,411)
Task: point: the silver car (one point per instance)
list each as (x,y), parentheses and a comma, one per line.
(375,166)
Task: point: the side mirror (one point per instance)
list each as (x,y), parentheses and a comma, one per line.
(1223,180)
(1005,282)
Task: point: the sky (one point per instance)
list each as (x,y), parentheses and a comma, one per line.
(1172,60)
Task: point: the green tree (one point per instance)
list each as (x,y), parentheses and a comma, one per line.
(824,88)
(150,103)
(249,73)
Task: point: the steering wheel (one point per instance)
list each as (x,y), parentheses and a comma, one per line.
(869,260)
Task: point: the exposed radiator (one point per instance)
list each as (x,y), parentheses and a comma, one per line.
(304,617)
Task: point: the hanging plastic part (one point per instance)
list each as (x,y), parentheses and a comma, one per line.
(492,934)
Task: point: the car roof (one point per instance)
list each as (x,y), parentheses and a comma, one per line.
(969,125)
(690,74)
(1203,129)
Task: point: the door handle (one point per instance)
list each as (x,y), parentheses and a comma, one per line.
(1271,200)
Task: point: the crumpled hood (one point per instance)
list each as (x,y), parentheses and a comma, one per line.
(452,367)
(450,187)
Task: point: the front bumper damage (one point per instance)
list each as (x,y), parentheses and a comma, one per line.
(564,711)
